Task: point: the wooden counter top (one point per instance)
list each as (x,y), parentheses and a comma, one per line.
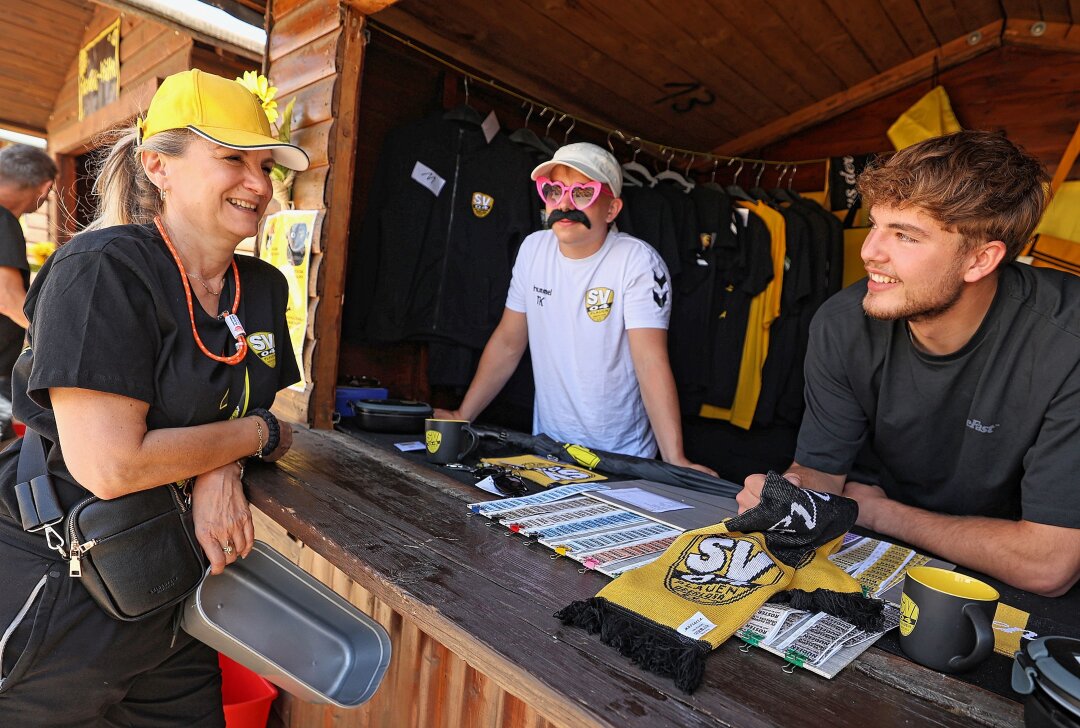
(403,533)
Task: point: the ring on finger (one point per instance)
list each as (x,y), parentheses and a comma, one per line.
(227,548)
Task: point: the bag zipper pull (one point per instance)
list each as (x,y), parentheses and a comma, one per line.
(75,563)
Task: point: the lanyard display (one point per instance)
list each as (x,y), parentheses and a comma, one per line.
(229,317)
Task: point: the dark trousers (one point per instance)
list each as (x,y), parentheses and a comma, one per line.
(67,663)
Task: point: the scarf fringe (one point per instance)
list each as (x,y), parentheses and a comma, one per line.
(852,607)
(651,646)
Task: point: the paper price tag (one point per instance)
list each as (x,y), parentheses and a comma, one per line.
(647,501)
(488,484)
(428,178)
(490,126)
(696,627)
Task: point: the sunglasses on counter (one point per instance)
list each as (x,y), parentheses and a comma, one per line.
(505,482)
(582,194)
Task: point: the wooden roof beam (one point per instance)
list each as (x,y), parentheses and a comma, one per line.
(950,54)
(1043,34)
(369,7)
(133,7)
(22,128)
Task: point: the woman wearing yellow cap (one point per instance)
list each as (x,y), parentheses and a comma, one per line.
(154,356)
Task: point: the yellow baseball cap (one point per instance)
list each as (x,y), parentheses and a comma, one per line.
(218,109)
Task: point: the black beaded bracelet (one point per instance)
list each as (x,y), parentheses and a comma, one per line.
(273,431)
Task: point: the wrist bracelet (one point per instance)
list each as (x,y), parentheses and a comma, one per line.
(258,429)
(273,431)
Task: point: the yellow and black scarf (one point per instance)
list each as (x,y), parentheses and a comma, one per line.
(668,615)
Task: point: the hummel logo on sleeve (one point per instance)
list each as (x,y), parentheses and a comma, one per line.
(659,293)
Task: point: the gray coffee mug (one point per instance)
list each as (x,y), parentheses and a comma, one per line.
(946,619)
(445,440)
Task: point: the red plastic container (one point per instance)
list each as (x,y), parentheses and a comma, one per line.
(246,697)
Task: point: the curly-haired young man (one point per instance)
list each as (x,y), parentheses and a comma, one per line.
(943,391)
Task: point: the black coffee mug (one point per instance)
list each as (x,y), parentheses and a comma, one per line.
(445,440)
(946,619)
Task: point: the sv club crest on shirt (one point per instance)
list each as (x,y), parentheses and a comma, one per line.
(482,204)
(598,303)
(722,569)
(262,343)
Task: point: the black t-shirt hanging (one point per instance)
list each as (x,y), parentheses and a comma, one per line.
(843,174)
(12,255)
(108,313)
(733,292)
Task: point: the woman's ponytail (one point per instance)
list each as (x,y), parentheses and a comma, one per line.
(125,195)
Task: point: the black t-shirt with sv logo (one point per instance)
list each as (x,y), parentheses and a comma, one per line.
(108,313)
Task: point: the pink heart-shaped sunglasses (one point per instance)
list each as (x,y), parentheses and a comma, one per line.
(582,194)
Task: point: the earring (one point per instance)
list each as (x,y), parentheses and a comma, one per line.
(161,191)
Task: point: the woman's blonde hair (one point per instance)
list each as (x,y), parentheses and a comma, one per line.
(125,195)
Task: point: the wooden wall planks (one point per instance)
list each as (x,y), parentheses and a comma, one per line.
(425,685)
(326,327)
(302,24)
(36,48)
(148,52)
(1028,93)
(316,54)
(305,65)
(747,64)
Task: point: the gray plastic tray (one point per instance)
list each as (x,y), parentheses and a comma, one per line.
(279,621)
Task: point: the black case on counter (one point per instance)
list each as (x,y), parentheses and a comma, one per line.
(1047,671)
(390,415)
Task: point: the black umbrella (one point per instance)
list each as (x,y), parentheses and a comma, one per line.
(610,463)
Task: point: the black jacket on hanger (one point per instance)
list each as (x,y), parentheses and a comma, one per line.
(436,267)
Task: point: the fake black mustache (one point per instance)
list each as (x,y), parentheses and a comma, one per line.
(571,215)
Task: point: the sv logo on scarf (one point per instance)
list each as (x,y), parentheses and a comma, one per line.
(716,570)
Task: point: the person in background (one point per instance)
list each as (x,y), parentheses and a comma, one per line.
(943,391)
(26,177)
(133,378)
(593,307)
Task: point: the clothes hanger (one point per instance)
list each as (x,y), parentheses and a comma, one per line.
(628,179)
(779,193)
(733,189)
(526,137)
(790,180)
(756,191)
(670,174)
(712,184)
(637,167)
(464,112)
(573,123)
(550,143)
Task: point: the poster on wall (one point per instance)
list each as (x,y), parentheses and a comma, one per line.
(99,71)
(286,243)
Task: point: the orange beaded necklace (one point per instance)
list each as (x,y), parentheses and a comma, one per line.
(229,316)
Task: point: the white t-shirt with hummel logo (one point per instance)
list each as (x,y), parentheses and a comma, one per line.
(578,313)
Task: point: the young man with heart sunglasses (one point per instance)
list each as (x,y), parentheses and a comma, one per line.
(593,306)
